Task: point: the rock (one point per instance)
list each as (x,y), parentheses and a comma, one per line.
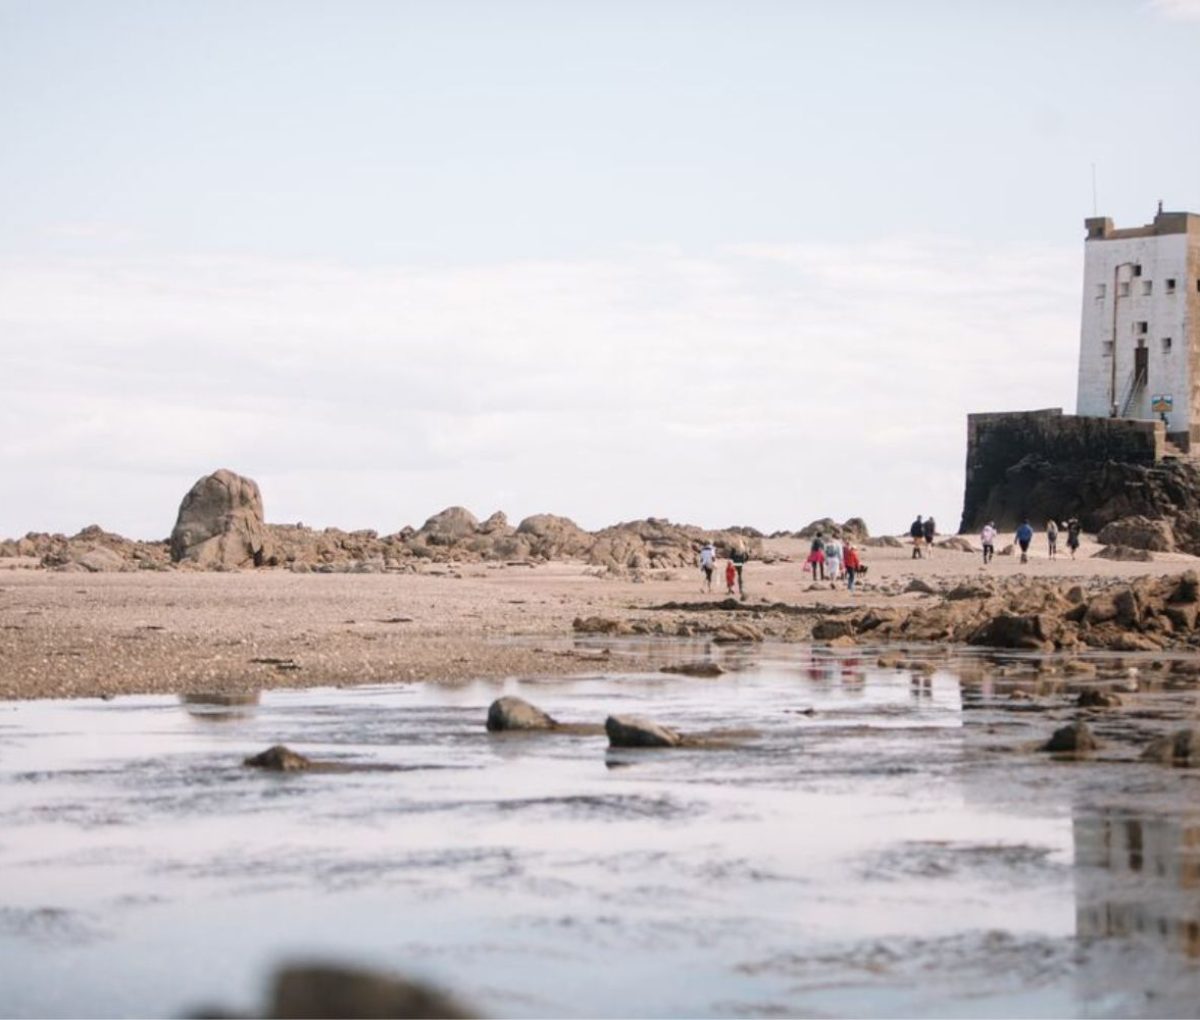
(883,542)
(832,627)
(100,560)
(601,625)
(450,526)
(1179,748)
(700,669)
(634,731)
(512,713)
(1033,631)
(890,661)
(956,543)
(1006,550)
(918,585)
(552,537)
(731,633)
(969,590)
(1125,553)
(279,759)
(220,524)
(1075,667)
(1075,738)
(1138,532)
(1187,588)
(312,991)
(854,529)
(845,641)
(1093,698)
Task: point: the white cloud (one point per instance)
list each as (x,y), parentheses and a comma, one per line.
(761,384)
(1177,10)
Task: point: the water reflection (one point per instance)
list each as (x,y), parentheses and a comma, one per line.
(220,707)
(1139,876)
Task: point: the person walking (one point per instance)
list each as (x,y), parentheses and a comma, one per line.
(1073,531)
(987,538)
(816,556)
(708,559)
(916,532)
(739,557)
(1024,537)
(853,564)
(730,578)
(929,532)
(833,559)
(1052,537)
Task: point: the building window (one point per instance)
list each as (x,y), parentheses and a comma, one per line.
(1137,269)
(1101,290)
(1141,328)
(1147,288)
(1123,289)
(1166,344)
(1106,348)
(1170,286)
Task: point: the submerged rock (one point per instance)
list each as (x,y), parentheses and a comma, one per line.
(1093,698)
(1179,748)
(511,713)
(634,731)
(279,759)
(701,669)
(1075,738)
(316,990)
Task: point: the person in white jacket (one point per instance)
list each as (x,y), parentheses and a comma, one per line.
(987,538)
(708,559)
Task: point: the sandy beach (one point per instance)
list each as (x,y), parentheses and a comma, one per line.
(89,635)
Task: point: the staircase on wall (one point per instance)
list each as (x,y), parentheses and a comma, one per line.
(1133,387)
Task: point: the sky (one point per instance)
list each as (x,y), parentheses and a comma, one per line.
(740,262)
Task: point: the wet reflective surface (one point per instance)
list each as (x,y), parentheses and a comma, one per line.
(883,843)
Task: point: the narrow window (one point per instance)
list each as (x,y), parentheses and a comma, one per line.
(1170,286)
(1166,344)
(1123,290)
(1147,288)
(1106,348)
(1101,290)
(1141,328)
(1137,269)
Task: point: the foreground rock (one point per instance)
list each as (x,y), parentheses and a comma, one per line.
(220,524)
(1075,738)
(512,713)
(697,669)
(1179,748)
(279,759)
(314,991)
(634,731)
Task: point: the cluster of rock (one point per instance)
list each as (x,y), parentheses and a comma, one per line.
(220,526)
(854,529)
(1146,614)
(92,550)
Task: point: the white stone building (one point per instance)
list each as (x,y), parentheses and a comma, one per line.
(1139,351)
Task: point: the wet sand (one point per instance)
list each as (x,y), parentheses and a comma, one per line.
(87,635)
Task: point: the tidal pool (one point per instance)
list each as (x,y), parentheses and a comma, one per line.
(883,844)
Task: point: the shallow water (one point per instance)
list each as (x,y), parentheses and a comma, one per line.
(895,852)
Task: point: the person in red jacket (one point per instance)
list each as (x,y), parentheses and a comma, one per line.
(852,564)
(730,577)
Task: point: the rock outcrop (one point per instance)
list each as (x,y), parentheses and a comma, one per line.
(512,713)
(220,524)
(634,731)
(279,759)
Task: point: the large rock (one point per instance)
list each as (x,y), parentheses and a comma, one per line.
(1179,748)
(511,713)
(311,991)
(1138,533)
(1075,738)
(279,759)
(634,731)
(452,525)
(100,560)
(552,537)
(1124,553)
(220,524)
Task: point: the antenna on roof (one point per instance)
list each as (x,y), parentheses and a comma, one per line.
(1095,211)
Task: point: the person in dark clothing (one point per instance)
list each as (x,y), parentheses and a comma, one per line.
(930,530)
(1073,532)
(1024,536)
(816,556)
(917,533)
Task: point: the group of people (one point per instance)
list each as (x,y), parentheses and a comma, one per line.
(733,569)
(922,533)
(832,559)
(1024,538)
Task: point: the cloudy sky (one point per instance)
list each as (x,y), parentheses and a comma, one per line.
(725,262)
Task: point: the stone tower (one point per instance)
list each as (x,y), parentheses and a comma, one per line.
(1139,350)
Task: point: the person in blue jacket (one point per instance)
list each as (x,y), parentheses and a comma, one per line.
(1024,537)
